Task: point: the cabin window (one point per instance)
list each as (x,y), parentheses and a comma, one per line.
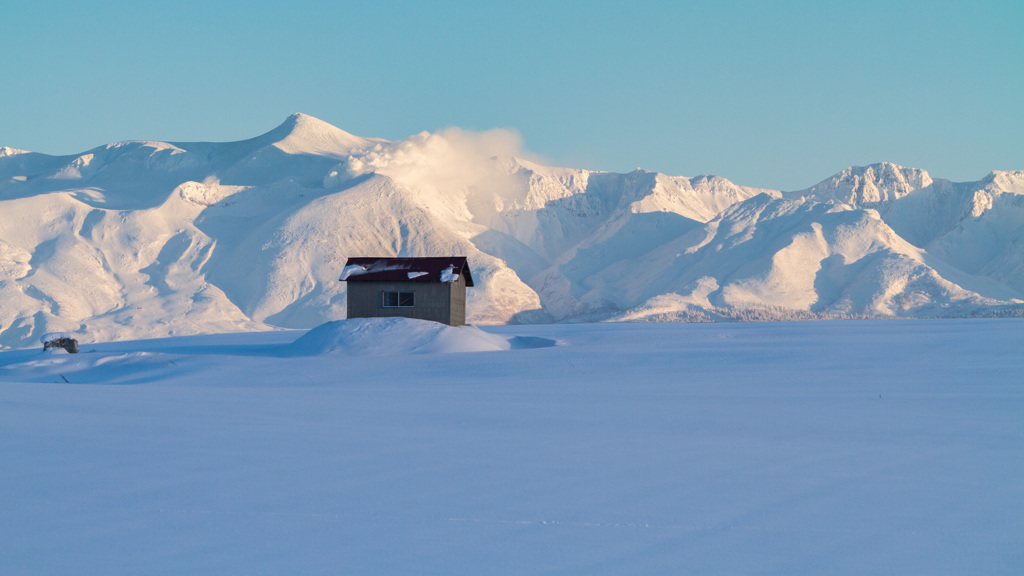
(399,300)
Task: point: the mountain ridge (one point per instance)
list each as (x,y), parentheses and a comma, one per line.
(146,239)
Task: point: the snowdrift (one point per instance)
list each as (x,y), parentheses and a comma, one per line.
(393,336)
(146,361)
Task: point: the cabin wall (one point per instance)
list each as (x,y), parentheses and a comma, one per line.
(457,301)
(437,301)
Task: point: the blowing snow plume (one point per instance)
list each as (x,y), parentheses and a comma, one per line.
(452,159)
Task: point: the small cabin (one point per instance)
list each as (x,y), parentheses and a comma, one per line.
(423,288)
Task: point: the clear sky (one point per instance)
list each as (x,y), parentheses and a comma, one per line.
(771,94)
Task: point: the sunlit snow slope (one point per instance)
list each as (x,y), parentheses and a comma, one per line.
(146,239)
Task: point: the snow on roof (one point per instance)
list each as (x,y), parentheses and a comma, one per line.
(432,269)
(449,274)
(351,270)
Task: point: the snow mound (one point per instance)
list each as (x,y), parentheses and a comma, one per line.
(393,336)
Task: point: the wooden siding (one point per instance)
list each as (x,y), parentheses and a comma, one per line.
(438,301)
(457,302)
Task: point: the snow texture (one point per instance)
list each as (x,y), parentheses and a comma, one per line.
(853,447)
(148,239)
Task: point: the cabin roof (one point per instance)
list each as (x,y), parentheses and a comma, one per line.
(434,269)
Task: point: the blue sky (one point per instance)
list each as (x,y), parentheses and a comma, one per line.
(772,94)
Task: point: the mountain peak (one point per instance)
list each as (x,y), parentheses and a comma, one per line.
(1011,181)
(300,121)
(879,182)
(8,151)
(304,134)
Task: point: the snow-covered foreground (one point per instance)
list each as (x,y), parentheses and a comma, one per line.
(854,447)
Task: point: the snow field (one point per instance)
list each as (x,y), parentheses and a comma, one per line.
(800,448)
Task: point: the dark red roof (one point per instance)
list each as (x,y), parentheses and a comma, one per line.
(443,269)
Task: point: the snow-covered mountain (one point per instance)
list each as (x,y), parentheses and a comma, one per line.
(148,239)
